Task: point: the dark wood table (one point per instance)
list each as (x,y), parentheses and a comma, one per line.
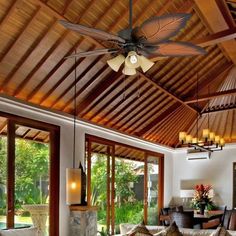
(211,217)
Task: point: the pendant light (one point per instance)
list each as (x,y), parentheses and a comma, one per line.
(73,175)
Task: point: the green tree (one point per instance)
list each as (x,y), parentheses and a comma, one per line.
(124,174)
(32,165)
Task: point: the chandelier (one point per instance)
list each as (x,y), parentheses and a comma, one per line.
(210,141)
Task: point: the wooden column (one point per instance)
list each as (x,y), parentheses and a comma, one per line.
(145,188)
(10,173)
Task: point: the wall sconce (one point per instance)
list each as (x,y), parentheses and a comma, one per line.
(73,186)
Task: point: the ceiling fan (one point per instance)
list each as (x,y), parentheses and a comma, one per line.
(133,46)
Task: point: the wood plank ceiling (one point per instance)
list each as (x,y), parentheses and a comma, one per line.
(155,105)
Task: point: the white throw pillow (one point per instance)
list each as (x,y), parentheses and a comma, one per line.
(20,232)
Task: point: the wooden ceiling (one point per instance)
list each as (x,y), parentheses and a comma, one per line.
(155,105)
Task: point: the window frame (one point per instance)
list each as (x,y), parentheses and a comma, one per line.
(54,169)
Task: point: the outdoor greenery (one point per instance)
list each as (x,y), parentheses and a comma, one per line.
(128,209)
(31,168)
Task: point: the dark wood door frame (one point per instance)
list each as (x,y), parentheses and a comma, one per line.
(54,168)
(111,152)
(234,185)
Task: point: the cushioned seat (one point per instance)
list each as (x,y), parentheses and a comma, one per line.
(20,232)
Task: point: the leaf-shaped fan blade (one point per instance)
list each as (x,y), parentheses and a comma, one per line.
(175,49)
(94,53)
(95,33)
(160,28)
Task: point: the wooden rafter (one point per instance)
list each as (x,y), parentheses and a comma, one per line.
(127,96)
(95,92)
(33,47)
(141,97)
(53,71)
(76,81)
(214,18)
(151,113)
(159,86)
(219,108)
(210,79)
(216,38)
(27,26)
(153,108)
(9,12)
(155,122)
(39,64)
(210,96)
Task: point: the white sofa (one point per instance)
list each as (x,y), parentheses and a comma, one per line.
(124,228)
(32,231)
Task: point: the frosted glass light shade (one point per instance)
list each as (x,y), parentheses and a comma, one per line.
(145,63)
(188,138)
(222,142)
(217,139)
(116,62)
(205,133)
(73,186)
(182,136)
(194,140)
(128,71)
(212,136)
(132,64)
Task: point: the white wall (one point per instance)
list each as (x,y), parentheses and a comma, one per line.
(66,145)
(217,171)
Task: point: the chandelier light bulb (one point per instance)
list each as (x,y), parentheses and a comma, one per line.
(73,185)
(133,59)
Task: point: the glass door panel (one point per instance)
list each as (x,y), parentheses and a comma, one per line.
(3,172)
(129,186)
(100,184)
(152,190)
(31,178)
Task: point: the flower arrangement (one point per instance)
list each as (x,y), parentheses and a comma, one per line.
(202,196)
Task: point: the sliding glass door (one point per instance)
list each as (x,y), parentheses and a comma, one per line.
(124,182)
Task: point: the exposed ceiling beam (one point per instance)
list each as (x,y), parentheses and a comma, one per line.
(210,96)
(156,121)
(10,11)
(98,90)
(157,85)
(210,79)
(219,108)
(216,38)
(214,19)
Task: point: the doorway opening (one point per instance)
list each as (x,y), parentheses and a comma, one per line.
(125,182)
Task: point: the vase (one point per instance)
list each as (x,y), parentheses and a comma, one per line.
(202,208)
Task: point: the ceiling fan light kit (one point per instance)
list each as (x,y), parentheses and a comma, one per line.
(116,62)
(133,47)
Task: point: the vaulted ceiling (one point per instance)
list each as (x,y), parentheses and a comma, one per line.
(155,105)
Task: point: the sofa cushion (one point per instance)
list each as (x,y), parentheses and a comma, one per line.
(20,232)
(126,227)
(139,230)
(221,231)
(172,230)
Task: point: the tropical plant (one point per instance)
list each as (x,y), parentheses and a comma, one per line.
(202,196)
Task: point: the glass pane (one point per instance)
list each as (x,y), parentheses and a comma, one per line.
(152,189)
(31,178)
(99,183)
(3,172)
(129,186)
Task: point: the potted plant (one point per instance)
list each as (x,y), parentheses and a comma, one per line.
(202,198)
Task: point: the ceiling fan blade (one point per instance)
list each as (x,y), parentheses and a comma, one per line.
(94,53)
(95,33)
(160,28)
(178,49)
